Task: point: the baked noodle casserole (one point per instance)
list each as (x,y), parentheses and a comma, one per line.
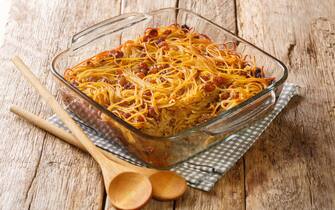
(169,79)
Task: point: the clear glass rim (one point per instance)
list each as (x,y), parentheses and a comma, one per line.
(195,128)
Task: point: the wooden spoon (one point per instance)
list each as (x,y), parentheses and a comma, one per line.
(126,190)
(167,185)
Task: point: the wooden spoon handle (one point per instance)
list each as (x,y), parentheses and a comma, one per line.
(61,113)
(69,138)
(47,126)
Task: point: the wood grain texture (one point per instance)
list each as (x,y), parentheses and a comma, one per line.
(220,12)
(145,6)
(37,171)
(292,166)
(228,193)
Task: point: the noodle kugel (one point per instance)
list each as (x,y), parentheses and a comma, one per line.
(169,79)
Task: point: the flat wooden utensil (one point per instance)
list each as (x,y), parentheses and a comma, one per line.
(167,185)
(69,138)
(126,190)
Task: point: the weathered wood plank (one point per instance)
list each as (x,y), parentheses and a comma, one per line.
(220,12)
(37,171)
(229,191)
(292,166)
(145,6)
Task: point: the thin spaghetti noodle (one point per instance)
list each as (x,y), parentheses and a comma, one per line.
(169,79)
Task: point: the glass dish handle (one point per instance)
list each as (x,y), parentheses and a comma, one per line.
(241,118)
(105,27)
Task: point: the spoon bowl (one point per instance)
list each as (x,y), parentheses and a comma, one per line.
(129,190)
(167,185)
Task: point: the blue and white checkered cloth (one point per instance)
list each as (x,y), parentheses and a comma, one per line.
(203,170)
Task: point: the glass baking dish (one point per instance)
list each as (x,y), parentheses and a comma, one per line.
(162,152)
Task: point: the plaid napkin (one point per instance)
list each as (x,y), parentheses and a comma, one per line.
(203,170)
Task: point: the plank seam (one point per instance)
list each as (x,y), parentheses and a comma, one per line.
(235,13)
(35,172)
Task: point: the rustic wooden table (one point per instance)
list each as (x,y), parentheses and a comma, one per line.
(292,165)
